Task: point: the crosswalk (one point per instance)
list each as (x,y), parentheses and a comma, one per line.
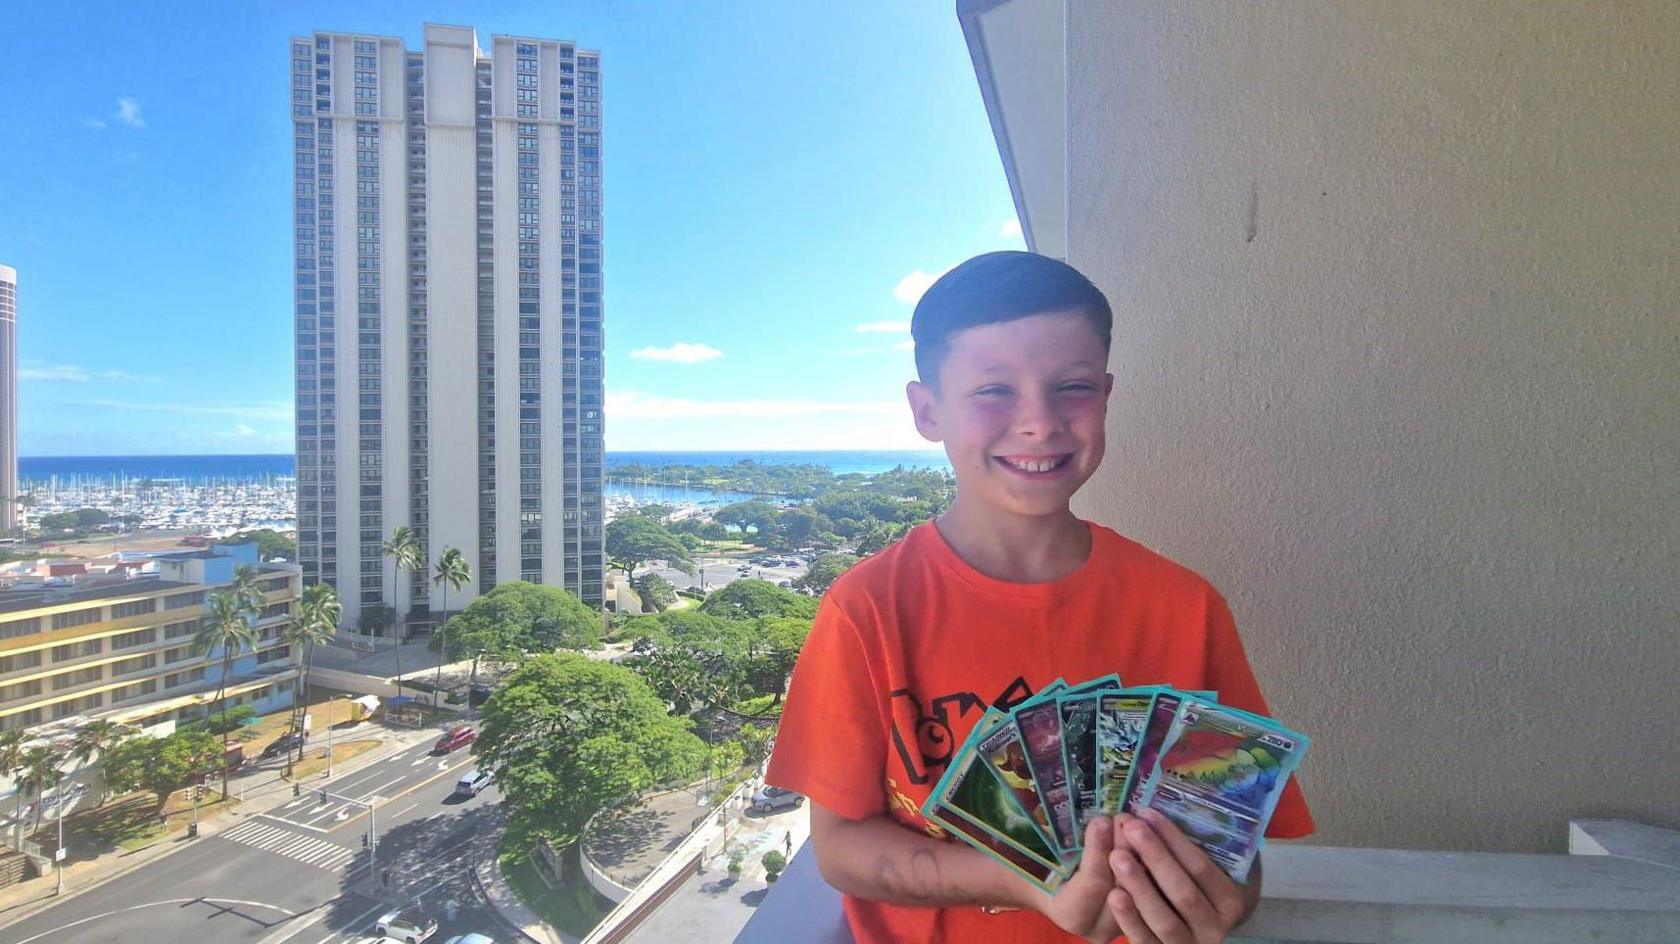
(305,849)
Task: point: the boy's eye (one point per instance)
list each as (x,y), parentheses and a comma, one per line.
(1079,387)
(992,391)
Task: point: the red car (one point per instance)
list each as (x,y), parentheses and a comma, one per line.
(461,734)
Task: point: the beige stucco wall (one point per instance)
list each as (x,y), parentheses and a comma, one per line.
(1397,364)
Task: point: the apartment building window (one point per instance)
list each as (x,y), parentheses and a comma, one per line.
(139,637)
(277,583)
(78,677)
(178,654)
(19,662)
(65,709)
(77,650)
(275,609)
(178,630)
(177,679)
(21,720)
(177,600)
(138,689)
(274,655)
(77,618)
(20,690)
(133,608)
(11,629)
(136,664)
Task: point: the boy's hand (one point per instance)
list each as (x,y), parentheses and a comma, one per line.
(1167,891)
(1080,906)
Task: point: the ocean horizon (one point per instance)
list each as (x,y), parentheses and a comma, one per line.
(224,468)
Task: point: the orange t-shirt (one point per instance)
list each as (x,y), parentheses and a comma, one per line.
(911,646)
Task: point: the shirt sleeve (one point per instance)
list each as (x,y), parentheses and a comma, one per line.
(831,744)
(1228,672)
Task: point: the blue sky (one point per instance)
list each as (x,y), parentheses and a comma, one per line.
(778,176)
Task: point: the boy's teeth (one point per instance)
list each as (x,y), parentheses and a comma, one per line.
(1034,465)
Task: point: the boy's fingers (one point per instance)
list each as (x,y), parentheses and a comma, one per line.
(1225,895)
(1125,913)
(1133,878)
(1099,842)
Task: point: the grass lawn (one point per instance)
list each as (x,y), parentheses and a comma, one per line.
(315,758)
(573,907)
(132,823)
(760,706)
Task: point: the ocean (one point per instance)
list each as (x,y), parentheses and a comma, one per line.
(257,467)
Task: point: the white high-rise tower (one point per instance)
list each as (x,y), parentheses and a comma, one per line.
(449,312)
(8,399)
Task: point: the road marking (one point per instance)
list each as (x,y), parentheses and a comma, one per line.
(403,810)
(382,786)
(283,842)
(290,822)
(152,904)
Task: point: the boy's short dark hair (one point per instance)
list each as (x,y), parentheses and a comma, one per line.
(1000,286)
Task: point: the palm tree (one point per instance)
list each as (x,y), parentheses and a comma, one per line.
(316,622)
(40,771)
(11,765)
(95,739)
(452,571)
(228,627)
(404,550)
(251,597)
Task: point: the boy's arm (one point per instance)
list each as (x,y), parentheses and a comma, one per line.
(878,859)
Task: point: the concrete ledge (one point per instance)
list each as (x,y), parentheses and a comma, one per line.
(1386,896)
(1627,840)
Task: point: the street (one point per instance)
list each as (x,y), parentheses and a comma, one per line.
(300,872)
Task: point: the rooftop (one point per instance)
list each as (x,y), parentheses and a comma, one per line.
(29,598)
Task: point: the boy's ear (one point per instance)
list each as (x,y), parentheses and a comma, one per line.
(922,401)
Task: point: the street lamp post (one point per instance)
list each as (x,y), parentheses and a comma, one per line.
(330,702)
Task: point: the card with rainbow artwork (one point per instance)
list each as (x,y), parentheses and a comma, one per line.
(1219,776)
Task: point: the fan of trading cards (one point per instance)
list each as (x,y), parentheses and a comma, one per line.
(1026,782)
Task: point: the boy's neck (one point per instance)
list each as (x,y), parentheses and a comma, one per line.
(1016,548)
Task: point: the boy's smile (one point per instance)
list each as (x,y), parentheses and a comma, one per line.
(1020,408)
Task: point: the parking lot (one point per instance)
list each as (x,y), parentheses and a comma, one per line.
(714,572)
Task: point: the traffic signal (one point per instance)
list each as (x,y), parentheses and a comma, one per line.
(364,840)
(323,796)
(297,789)
(198,791)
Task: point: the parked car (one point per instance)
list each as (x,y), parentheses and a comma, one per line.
(473,782)
(458,736)
(284,743)
(769,798)
(375,940)
(409,925)
(473,938)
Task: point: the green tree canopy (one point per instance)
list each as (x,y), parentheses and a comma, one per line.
(748,514)
(517,619)
(271,544)
(162,765)
(656,592)
(568,737)
(747,599)
(825,570)
(633,540)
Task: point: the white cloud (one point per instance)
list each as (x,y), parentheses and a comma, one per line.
(128,112)
(856,351)
(1011,229)
(243,430)
(884,327)
(70,373)
(93,122)
(631,405)
(910,288)
(904,346)
(680,353)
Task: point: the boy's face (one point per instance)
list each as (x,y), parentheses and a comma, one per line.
(1020,408)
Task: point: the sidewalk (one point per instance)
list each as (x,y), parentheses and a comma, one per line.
(254,790)
(494,887)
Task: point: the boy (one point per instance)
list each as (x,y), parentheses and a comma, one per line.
(1005,592)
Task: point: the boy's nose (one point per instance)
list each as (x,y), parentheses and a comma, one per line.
(1037,416)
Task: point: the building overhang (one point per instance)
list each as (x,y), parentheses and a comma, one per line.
(1019,50)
